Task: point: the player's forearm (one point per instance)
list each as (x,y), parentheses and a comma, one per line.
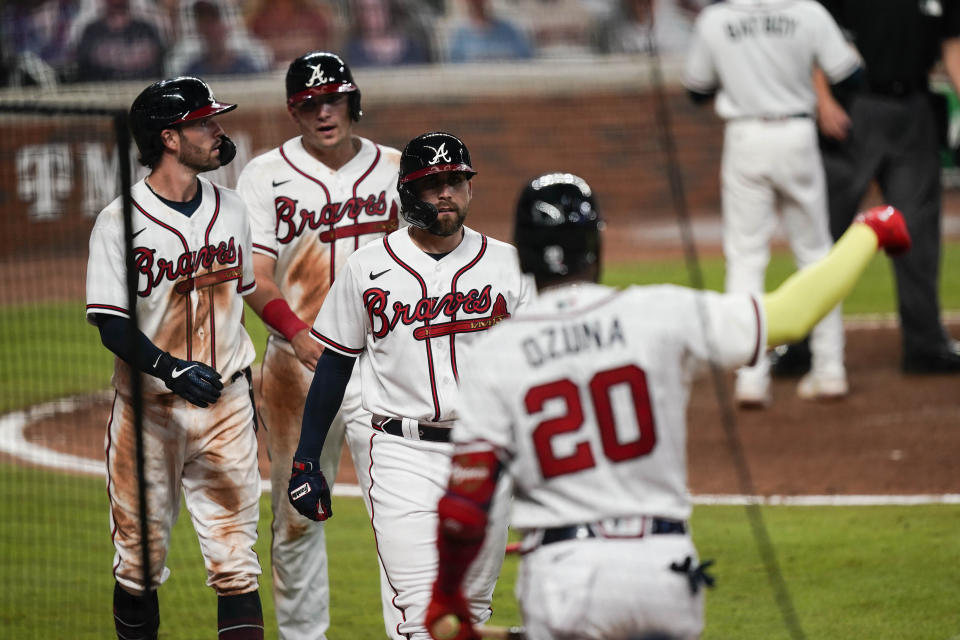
(323,401)
(268,301)
(799,303)
(951,61)
(128,343)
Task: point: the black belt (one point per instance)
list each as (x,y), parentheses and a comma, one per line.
(427,432)
(581,531)
(898,88)
(239,374)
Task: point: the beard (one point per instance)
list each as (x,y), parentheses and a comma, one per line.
(197,158)
(448,225)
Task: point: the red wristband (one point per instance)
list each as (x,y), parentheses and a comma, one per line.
(277,314)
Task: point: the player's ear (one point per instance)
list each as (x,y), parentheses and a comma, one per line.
(170,138)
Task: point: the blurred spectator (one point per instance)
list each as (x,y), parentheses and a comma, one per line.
(33,39)
(482,36)
(217,52)
(628,27)
(118,45)
(379,36)
(556,28)
(290,27)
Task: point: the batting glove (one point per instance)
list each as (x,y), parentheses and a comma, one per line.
(448,617)
(891,229)
(308,490)
(193,381)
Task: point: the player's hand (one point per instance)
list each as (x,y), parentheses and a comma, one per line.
(307,349)
(891,229)
(191,380)
(833,119)
(448,617)
(308,491)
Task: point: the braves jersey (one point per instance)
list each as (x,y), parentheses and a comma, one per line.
(761,55)
(584,396)
(191,274)
(311,218)
(409,316)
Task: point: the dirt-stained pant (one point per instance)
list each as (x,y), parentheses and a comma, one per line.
(402,481)
(301,589)
(212,454)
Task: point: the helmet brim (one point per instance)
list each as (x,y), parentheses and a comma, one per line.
(340,87)
(438,168)
(212,109)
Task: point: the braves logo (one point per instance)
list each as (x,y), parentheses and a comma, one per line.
(186,264)
(440,153)
(317,77)
(425,310)
(289,227)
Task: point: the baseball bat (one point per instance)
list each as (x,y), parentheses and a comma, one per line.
(501,633)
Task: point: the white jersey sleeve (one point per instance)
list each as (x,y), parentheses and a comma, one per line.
(700,73)
(106,274)
(253,186)
(341,324)
(834,55)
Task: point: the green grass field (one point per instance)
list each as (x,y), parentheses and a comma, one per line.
(878,573)
(867,572)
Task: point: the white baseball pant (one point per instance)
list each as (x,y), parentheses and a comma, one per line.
(301,587)
(771,166)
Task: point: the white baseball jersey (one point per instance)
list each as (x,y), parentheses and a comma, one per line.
(190,271)
(761,55)
(584,395)
(408,317)
(311,218)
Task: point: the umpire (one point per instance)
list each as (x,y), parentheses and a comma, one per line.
(893,133)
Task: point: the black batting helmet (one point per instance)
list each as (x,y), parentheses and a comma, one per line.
(320,72)
(166,104)
(427,154)
(558,225)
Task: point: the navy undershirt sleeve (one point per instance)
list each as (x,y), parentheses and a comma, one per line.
(116,333)
(323,401)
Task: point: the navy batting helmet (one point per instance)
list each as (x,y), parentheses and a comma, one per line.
(558,225)
(427,154)
(321,72)
(168,103)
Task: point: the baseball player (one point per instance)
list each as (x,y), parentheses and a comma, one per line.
(581,400)
(191,250)
(313,201)
(407,306)
(758,57)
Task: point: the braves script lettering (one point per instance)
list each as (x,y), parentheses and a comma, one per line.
(185,265)
(384,316)
(291,222)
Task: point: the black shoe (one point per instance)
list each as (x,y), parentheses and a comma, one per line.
(946,360)
(791,360)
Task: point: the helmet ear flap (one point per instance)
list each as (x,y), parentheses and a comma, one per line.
(415,211)
(354,103)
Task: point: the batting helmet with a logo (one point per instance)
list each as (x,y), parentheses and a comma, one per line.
(168,103)
(558,225)
(427,154)
(321,72)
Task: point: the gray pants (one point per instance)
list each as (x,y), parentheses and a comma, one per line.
(896,141)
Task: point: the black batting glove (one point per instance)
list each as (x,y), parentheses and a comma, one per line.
(308,491)
(193,381)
